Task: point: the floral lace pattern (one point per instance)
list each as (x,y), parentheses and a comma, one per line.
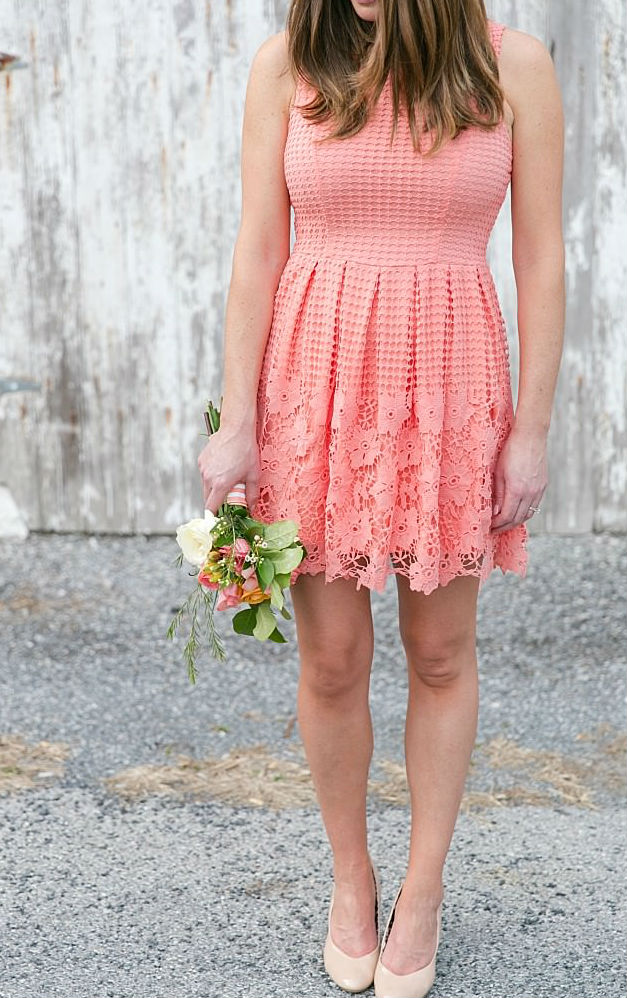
(384,395)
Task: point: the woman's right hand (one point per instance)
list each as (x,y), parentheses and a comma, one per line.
(227,458)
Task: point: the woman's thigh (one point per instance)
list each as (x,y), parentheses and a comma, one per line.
(333,622)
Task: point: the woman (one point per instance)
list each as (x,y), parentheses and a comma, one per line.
(367,394)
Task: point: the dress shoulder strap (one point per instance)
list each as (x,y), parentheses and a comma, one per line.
(496,35)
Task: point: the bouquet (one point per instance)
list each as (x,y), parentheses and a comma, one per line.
(237,561)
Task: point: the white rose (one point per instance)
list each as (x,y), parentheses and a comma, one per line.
(195,540)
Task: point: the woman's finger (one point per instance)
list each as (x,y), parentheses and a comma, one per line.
(252,493)
(510,505)
(498,492)
(535,502)
(520,513)
(214,499)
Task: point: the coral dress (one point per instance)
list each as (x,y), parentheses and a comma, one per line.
(384,394)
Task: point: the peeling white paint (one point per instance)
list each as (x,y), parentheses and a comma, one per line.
(578,252)
(12,523)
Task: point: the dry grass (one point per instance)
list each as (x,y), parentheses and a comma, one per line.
(393,790)
(243,776)
(24,766)
(561,779)
(26,599)
(608,765)
(476,800)
(567,778)
(253,776)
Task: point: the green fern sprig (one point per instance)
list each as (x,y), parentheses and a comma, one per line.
(200,600)
(176,621)
(190,651)
(216,644)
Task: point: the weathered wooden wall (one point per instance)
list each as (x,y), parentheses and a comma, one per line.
(588,439)
(119,202)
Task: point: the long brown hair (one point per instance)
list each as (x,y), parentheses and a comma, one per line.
(437,52)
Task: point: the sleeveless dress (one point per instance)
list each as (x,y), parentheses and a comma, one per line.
(384,394)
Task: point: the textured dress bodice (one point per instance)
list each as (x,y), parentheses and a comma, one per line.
(383,204)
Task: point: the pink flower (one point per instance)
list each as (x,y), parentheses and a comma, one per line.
(229,596)
(240,549)
(248,571)
(251,582)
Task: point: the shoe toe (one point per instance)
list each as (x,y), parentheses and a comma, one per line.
(390,985)
(352,973)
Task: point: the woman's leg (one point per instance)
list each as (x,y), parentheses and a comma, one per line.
(438,634)
(336,644)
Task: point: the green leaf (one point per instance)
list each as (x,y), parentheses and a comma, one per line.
(250,524)
(244,621)
(265,572)
(277,636)
(283,578)
(265,622)
(286,560)
(213,416)
(286,613)
(222,538)
(280,534)
(276,594)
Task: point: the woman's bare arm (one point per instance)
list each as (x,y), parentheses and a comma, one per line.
(261,250)
(263,241)
(530,84)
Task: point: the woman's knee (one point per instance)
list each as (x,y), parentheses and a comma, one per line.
(439,658)
(332,670)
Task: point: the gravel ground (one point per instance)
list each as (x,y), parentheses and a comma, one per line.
(165,897)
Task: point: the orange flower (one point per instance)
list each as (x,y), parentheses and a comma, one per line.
(254,596)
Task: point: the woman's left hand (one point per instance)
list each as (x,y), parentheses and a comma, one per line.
(520,478)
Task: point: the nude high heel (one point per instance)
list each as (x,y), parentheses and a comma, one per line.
(387,984)
(353,973)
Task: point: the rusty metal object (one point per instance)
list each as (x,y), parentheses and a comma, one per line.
(9,63)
